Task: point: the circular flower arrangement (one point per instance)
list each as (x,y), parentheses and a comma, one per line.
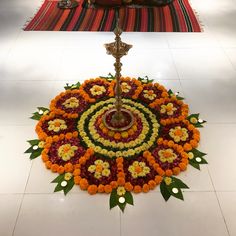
(75,142)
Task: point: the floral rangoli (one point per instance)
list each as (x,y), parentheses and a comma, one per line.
(161,142)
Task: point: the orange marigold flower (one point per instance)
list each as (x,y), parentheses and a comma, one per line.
(44,157)
(108,188)
(48,164)
(92,189)
(137,189)
(152,184)
(158,179)
(146,188)
(121,175)
(55,138)
(182,166)
(176,170)
(83,184)
(187,147)
(160,171)
(169,172)
(54,167)
(113,184)
(69,167)
(61,170)
(128,186)
(69,135)
(121,181)
(76,172)
(77,179)
(100,188)
(117,136)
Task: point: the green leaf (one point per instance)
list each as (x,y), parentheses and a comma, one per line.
(170,92)
(33,142)
(29,150)
(109,77)
(129,198)
(36,116)
(178,195)
(122,206)
(198,124)
(197,153)
(58,188)
(73,86)
(113,199)
(178,183)
(59,178)
(145,79)
(195,165)
(36,153)
(69,186)
(164,191)
(43,109)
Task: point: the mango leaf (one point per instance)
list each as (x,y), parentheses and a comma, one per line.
(171,94)
(110,77)
(36,153)
(179,183)
(122,206)
(178,194)
(129,198)
(197,153)
(195,165)
(73,86)
(113,199)
(69,186)
(198,124)
(33,142)
(59,179)
(196,161)
(173,189)
(164,191)
(37,115)
(145,80)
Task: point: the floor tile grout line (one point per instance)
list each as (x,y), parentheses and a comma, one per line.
(221,210)
(23,196)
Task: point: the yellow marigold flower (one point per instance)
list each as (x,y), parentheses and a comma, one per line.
(67,151)
(120,191)
(56,125)
(97,90)
(149,94)
(168,180)
(168,109)
(125,87)
(138,170)
(72,102)
(193,120)
(167,155)
(41,144)
(92,168)
(106,172)
(68,176)
(179,134)
(190,155)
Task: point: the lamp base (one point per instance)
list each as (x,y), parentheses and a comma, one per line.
(67,4)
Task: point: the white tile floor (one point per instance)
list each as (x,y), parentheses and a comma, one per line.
(34,66)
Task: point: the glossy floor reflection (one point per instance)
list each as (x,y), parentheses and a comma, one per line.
(34,66)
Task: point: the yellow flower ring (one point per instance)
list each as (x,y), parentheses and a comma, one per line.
(106,144)
(157,146)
